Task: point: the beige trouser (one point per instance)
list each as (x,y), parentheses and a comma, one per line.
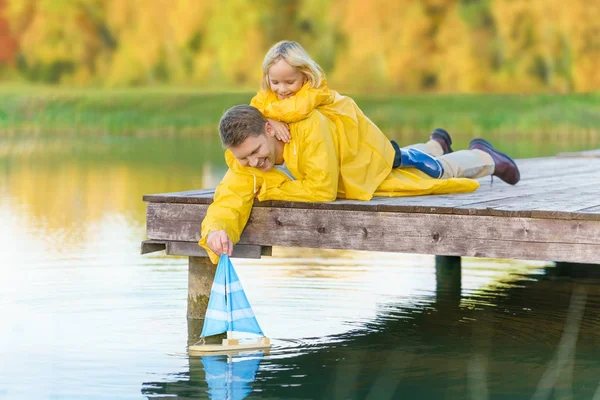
(459,164)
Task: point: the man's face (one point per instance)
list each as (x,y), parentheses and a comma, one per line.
(262,151)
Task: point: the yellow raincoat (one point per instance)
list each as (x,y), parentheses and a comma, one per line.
(335,151)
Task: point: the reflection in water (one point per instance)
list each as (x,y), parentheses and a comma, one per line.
(221,377)
(83,315)
(537,337)
(229,377)
(55,191)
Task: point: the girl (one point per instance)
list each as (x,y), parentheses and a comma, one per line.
(294,85)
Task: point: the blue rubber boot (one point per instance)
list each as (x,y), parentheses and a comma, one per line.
(417,159)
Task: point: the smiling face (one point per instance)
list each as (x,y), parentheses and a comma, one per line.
(263,151)
(285,80)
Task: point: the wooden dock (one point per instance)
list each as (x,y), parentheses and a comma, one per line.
(552,214)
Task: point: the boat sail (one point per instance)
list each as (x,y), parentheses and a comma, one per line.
(229,311)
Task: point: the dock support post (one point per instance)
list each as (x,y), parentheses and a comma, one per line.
(201,273)
(448,279)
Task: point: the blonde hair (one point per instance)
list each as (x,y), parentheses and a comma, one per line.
(296,56)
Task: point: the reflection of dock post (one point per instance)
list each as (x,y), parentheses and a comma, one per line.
(448,278)
(580,270)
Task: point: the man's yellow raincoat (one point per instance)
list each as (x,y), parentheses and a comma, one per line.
(335,151)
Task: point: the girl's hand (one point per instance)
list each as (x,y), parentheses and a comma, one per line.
(281,129)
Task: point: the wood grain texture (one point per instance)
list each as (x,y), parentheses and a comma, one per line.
(584,154)
(546,185)
(192,249)
(151,246)
(177,248)
(439,234)
(552,214)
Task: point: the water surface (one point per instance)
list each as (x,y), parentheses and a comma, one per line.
(83,315)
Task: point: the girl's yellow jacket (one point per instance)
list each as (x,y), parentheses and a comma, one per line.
(335,151)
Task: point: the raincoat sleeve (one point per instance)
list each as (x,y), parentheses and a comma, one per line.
(295,108)
(317,165)
(230,209)
(260,101)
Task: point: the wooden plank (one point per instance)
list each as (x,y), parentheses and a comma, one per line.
(451,238)
(538,174)
(150,246)
(190,197)
(487,192)
(454,203)
(584,154)
(178,248)
(466,203)
(561,203)
(285,227)
(591,210)
(552,214)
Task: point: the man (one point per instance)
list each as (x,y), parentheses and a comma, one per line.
(313,167)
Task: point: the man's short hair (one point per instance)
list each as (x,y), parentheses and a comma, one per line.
(239,123)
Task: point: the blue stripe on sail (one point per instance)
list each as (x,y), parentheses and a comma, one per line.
(217,303)
(239,301)
(249,325)
(213,327)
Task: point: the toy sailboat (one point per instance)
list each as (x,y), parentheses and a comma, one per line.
(228,311)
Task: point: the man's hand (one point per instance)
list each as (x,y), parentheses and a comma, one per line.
(219,242)
(281,129)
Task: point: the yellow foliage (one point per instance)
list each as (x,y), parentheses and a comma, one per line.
(457,67)
(584,32)
(375,46)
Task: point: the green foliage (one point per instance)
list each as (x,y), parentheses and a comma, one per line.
(182,113)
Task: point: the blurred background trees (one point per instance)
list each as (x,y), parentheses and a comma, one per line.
(388,46)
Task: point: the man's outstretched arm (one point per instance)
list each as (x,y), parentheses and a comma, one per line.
(228,214)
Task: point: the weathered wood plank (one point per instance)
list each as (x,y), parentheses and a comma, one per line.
(437,244)
(543,178)
(591,210)
(468,204)
(192,249)
(584,154)
(487,192)
(563,202)
(187,197)
(555,204)
(151,246)
(305,228)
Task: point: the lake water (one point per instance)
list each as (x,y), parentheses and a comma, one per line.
(84,316)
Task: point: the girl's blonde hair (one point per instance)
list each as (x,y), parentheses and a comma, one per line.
(296,56)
